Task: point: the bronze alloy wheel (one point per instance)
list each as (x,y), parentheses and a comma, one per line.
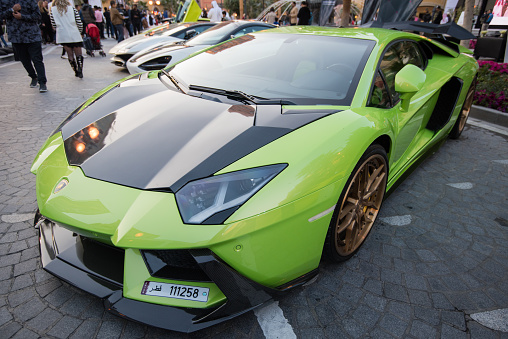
(360,204)
(464,113)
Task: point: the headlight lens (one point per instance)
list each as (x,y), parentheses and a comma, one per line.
(212,200)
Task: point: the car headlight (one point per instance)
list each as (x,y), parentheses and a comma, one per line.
(156,64)
(212,200)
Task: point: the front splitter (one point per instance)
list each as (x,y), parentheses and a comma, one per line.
(76,260)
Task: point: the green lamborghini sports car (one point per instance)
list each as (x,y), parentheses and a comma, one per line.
(187,196)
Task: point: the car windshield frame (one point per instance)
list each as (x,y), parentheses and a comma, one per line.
(342,86)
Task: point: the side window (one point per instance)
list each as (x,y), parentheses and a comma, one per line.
(397,56)
(410,54)
(379,96)
(390,65)
(247,30)
(200,29)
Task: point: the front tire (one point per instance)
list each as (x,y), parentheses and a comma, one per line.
(358,205)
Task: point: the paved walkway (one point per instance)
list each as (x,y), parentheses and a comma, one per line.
(436,261)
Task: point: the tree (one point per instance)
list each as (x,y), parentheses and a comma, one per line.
(346,12)
(468,19)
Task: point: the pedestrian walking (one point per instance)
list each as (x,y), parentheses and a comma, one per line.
(22,18)
(99,21)
(136,19)
(67,22)
(117,20)
(87,15)
(46,29)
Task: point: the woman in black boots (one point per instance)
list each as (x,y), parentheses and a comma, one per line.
(67,23)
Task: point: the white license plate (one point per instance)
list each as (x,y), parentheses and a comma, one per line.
(158,289)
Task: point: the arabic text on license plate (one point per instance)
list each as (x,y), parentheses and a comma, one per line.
(175,291)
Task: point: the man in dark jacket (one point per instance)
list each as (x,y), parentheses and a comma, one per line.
(304,14)
(87,14)
(136,19)
(22,18)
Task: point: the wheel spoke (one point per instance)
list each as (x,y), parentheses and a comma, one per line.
(373,177)
(374,186)
(346,223)
(346,210)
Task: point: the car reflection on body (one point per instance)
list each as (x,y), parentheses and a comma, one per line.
(158,57)
(169,33)
(187,196)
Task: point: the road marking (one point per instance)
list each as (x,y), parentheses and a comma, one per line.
(504,162)
(273,323)
(462,185)
(49,50)
(27,128)
(13,218)
(496,320)
(399,220)
(490,127)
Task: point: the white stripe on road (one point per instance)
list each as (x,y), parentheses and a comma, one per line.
(273,323)
(462,185)
(398,220)
(496,320)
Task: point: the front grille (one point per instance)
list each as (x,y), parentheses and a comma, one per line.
(174,265)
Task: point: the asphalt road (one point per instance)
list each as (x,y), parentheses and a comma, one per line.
(435,265)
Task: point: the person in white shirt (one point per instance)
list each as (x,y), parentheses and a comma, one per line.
(215,13)
(67,22)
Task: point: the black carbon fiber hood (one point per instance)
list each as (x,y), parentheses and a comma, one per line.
(144,135)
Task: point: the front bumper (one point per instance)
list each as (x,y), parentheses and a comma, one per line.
(99,269)
(120,60)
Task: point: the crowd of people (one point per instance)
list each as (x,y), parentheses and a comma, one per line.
(30,24)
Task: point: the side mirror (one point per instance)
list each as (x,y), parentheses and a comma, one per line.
(190,34)
(408,81)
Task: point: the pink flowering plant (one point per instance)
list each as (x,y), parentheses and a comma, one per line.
(492,87)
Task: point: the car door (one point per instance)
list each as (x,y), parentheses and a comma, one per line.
(408,124)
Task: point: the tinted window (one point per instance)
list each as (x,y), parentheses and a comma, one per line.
(379,96)
(397,56)
(247,30)
(303,69)
(198,30)
(215,34)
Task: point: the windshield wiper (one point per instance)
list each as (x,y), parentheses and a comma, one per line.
(240,96)
(173,79)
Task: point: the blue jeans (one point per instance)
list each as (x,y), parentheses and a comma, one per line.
(119,32)
(110,28)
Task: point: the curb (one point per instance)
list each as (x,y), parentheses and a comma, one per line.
(489,115)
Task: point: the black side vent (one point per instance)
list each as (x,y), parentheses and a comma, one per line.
(445,104)
(174,265)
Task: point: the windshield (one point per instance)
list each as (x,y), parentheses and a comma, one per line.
(171,29)
(214,35)
(303,69)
